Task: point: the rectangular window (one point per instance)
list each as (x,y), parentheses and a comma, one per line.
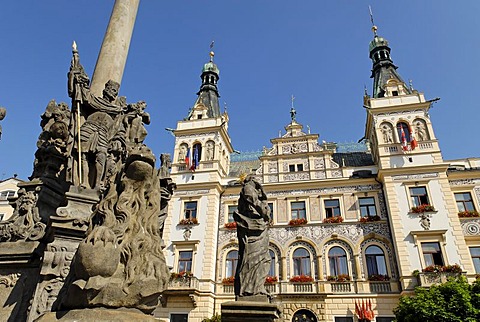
(185,261)
(344,319)
(367,206)
(5,194)
(432,254)
(178,317)
(419,196)
(190,209)
(464,201)
(270,205)
(384,319)
(295,167)
(231,210)
(332,208)
(298,210)
(475,253)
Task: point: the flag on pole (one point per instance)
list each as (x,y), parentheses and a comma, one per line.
(188,159)
(413,140)
(403,139)
(194,162)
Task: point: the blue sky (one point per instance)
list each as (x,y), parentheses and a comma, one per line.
(266,51)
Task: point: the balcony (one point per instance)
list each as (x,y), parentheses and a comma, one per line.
(324,287)
(429,279)
(183,283)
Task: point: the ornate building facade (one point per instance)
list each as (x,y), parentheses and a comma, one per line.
(349,225)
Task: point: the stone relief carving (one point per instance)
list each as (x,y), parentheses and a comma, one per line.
(470,227)
(337,174)
(272,178)
(333,190)
(272,167)
(415,176)
(320,175)
(334,165)
(319,163)
(9,280)
(464,182)
(25,223)
(296,176)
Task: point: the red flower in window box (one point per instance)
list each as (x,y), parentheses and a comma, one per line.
(339,278)
(468,213)
(422,208)
(183,274)
(188,221)
(228,280)
(301,279)
(297,222)
(271,280)
(378,278)
(369,219)
(333,220)
(455,268)
(231,225)
(433,269)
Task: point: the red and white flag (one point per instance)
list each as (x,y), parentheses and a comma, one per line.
(413,140)
(403,139)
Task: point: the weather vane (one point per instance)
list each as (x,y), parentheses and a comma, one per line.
(293,113)
(211,50)
(374,28)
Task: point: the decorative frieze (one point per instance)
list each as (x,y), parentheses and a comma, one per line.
(415,176)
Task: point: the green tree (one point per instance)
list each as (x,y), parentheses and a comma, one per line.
(453,301)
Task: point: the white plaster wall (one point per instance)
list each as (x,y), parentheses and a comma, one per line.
(401,161)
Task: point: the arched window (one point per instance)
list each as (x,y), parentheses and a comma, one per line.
(304,316)
(272,271)
(231,263)
(301,262)
(405,137)
(338,261)
(375,261)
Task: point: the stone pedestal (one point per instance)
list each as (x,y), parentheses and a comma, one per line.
(97,315)
(245,311)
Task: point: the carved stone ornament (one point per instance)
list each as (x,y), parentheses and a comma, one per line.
(25,223)
(120,263)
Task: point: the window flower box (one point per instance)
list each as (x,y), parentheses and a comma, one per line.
(369,219)
(468,214)
(378,278)
(231,225)
(455,269)
(301,279)
(184,274)
(422,208)
(188,221)
(297,222)
(333,220)
(341,278)
(228,280)
(271,280)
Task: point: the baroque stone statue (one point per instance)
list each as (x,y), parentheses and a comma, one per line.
(120,263)
(252,220)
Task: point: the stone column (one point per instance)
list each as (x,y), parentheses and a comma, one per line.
(113,54)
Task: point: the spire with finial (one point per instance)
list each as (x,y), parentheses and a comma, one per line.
(208,94)
(383,68)
(293,112)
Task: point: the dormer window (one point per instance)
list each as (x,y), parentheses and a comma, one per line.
(394,93)
(199,116)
